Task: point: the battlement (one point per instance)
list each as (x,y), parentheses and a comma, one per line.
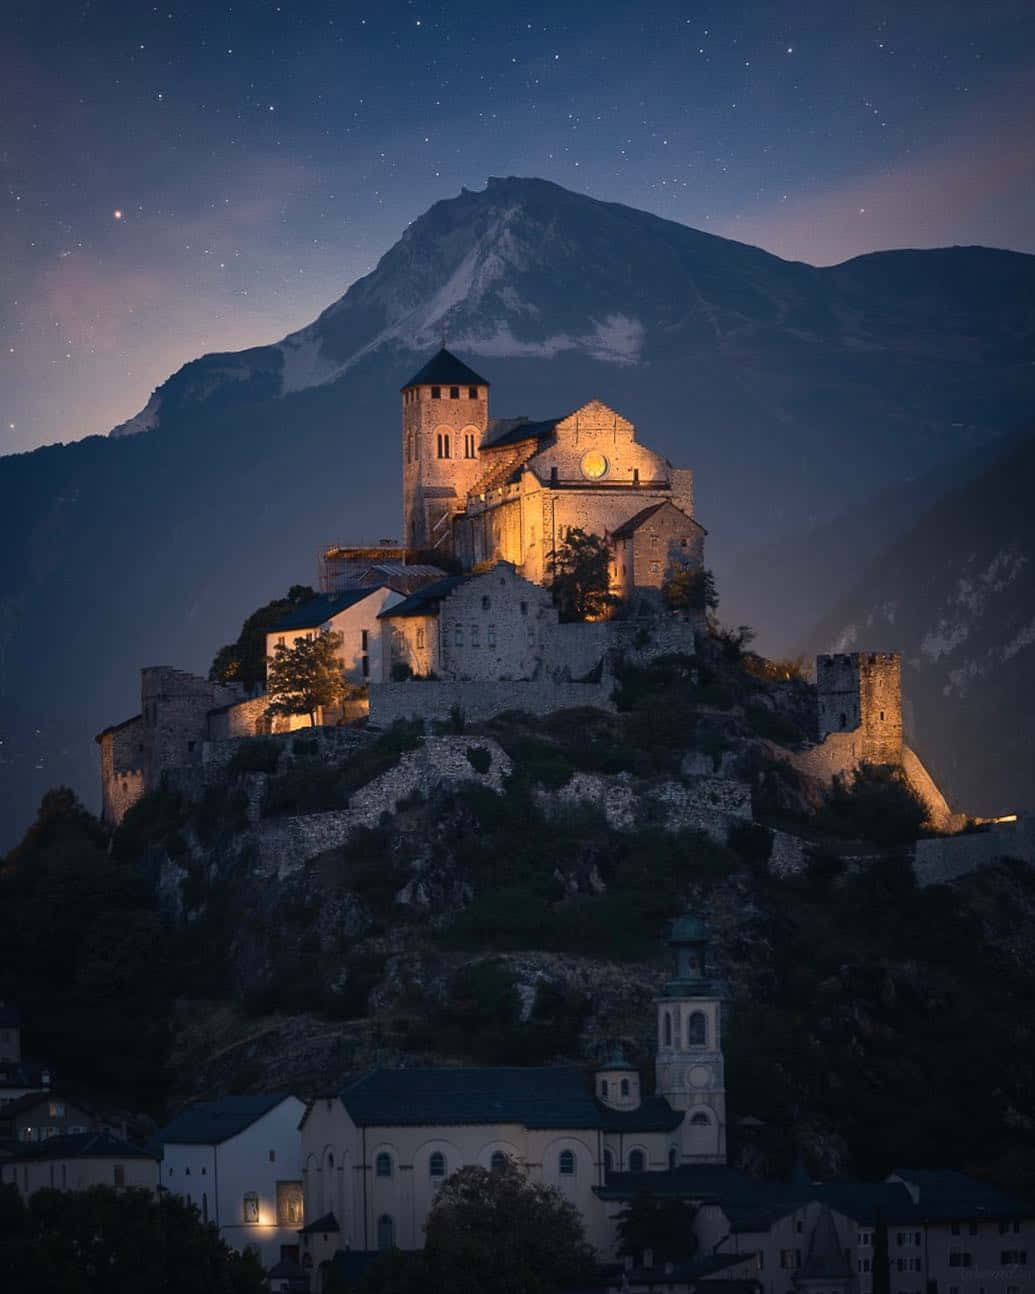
(861,692)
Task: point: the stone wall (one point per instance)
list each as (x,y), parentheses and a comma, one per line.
(944,858)
(175,706)
(437,484)
(862,692)
(242,719)
(285,844)
(124,759)
(437,700)
(495,626)
(939,815)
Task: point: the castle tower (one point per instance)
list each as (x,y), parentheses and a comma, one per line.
(861,692)
(445,410)
(617,1082)
(689,1069)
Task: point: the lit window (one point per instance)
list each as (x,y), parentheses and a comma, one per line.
(437,1164)
(251,1206)
(566,1163)
(637,1162)
(383,1165)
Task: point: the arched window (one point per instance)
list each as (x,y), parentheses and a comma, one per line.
(566,1163)
(498,1162)
(383,1164)
(625,1087)
(637,1161)
(672,1157)
(330,1159)
(437,1164)
(668,1030)
(696,1030)
(385,1232)
(603,1088)
(700,1120)
(609,1162)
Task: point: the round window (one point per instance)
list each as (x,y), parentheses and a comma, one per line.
(594,465)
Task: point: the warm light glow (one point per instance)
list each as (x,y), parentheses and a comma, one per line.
(117,213)
(1007,817)
(594,465)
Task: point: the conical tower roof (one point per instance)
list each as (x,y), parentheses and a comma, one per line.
(444,369)
(826,1260)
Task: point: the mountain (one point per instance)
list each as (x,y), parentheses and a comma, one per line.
(794,392)
(957,595)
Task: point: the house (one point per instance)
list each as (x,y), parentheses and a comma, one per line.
(237,1160)
(37,1116)
(352,613)
(77,1161)
(488,626)
(652,544)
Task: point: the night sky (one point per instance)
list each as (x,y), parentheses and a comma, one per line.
(187,177)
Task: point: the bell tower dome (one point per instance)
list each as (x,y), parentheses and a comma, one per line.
(689,1068)
(445,411)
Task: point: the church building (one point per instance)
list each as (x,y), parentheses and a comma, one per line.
(489,490)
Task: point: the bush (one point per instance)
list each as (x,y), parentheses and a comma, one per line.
(151,821)
(479,758)
(874,803)
(401,671)
(255,756)
(773,726)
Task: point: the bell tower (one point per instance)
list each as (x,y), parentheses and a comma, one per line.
(445,411)
(689,1069)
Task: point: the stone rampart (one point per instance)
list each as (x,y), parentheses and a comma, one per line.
(944,858)
(437,700)
(242,719)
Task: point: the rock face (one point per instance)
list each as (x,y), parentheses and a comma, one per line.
(778,383)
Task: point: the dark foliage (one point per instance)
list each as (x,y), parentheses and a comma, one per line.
(875,803)
(663,1226)
(244,661)
(581,576)
(103,1241)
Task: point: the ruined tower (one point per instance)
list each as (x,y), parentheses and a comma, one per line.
(445,410)
(861,692)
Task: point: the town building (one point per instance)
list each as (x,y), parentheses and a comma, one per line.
(37,1116)
(77,1161)
(18,1075)
(237,1160)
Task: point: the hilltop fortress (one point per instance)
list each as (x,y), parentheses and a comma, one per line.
(459,620)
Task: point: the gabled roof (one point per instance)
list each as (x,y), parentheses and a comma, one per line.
(328,1222)
(206,1123)
(510,431)
(630,527)
(826,1260)
(425,600)
(445,369)
(541,1096)
(80,1145)
(944,1195)
(616,1060)
(319,610)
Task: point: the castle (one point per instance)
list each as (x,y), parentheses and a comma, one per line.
(496,499)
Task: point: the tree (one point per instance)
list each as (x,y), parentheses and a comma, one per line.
(688,590)
(495,1232)
(307,676)
(582,576)
(244,661)
(103,1241)
(874,801)
(663,1226)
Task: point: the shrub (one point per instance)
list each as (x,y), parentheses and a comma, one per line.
(479,758)
(401,671)
(772,726)
(875,803)
(256,756)
(151,821)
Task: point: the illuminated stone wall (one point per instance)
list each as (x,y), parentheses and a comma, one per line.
(435,486)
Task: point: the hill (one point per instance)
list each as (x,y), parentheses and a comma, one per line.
(794,392)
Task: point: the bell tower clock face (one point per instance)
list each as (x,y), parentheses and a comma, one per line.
(594,465)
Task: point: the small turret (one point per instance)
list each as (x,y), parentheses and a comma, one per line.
(617,1082)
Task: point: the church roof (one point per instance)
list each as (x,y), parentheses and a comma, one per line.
(616,1060)
(510,431)
(541,1096)
(424,601)
(319,610)
(444,369)
(206,1123)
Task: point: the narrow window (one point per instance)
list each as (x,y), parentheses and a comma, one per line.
(364,639)
(472,393)
(490,635)
(498,1162)
(636,1162)
(485,604)
(603,1088)
(420,637)
(474,635)
(553,475)
(671,1157)
(668,1030)
(385,1232)
(696,1030)
(566,1163)
(436,393)
(458,636)
(636,476)
(204,1206)
(609,1162)
(524,608)
(446,441)
(273,1156)
(625,1087)
(365,666)
(454,393)
(383,1165)
(437,1164)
